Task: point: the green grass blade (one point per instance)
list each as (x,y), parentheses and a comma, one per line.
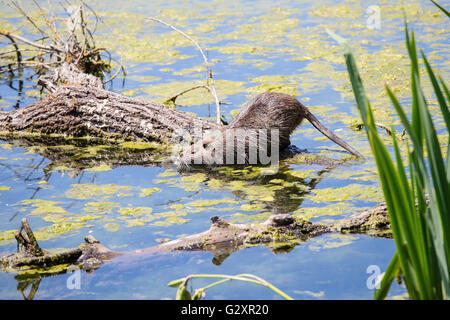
(413,221)
(443,9)
(388,278)
(418,229)
(447,166)
(438,216)
(447,92)
(389,181)
(434,220)
(437,90)
(415,80)
(402,236)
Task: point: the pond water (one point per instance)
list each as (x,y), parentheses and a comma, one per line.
(66,192)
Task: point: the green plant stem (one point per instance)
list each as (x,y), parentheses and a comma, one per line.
(240,277)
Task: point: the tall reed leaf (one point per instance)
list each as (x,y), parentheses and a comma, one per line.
(419,206)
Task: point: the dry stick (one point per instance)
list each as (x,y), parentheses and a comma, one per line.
(31,63)
(28,239)
(13,51)
(114,75)
(57,38)
(16,4)
(209,81)
(380,125)
(31,43)
(97,18)
(174,97)
(23,63)
(83,31)
(18,53)
(26,63)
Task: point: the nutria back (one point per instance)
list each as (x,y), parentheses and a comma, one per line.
(271,110)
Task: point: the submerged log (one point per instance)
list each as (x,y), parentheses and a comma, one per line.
(280,233)
(30,257)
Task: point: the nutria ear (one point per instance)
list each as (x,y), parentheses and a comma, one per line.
(280,220)
(218,221)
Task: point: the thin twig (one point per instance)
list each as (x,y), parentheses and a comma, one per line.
(31,43)
(114,75)
(18,7)
(13,51)
(46,65)
(57,38)
(97,18)
(18,53)
(359,126)
(174,97)
(209,80)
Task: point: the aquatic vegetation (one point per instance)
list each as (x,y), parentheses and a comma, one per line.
(249,218)
(7,235)
(43,206)
(252,207)
(112,227)
(209,202)
(335,209)
(184,294)
(417,195)
(100,207)
(136,212)
(57,229)
(331,241)
(351,192)
(146,192)
(88,190)
(139,145)
(6,146)
(99,168)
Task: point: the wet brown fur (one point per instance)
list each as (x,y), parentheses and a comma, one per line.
(269,110)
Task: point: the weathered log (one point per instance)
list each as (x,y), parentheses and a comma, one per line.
(26,242)
(280,233)
(30,256)
(75,110)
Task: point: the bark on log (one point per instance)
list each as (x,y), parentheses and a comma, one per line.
(90,111)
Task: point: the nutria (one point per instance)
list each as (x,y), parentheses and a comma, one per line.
(269,111)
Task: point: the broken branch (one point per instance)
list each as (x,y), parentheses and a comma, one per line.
(209,80)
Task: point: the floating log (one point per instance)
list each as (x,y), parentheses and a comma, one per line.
(280,233)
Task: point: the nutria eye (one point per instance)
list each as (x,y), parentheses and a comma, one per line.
(205,145)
